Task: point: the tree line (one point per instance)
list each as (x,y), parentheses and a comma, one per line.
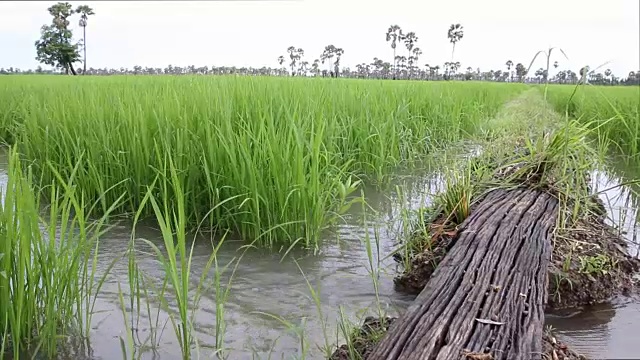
(57,49)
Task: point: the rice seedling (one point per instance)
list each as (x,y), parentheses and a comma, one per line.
(47,266)
(286,150)
(175,258)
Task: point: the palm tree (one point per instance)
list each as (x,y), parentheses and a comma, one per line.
(338,53)
(84,12)
(509,64)
(607,73)
(293,56)
(583,73)
(410,40)
(455,34)
(394,34)
(327,54)
(521,71)
(416,55)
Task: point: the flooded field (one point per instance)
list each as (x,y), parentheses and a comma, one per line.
(268,290)
(608,330)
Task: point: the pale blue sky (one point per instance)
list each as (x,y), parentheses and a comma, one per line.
(255,33)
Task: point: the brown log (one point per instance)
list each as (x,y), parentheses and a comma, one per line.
(486,298)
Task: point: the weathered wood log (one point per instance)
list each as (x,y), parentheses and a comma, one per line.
(486,299)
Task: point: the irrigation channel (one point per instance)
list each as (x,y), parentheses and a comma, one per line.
(263,284)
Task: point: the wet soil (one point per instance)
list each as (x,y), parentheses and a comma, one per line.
(363,339)
(590,261)
(590,264)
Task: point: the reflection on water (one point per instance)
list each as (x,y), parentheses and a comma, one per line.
(609,330)
(264,283)
(601,331)
(622,202)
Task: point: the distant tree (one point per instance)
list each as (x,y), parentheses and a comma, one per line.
(416,56)
(410,40)
(584,71)
(521,71)
(607,73)
(327,54)
(378,66)
(304,67)
(84,12)
(295,55)
(509,64)
(55,47)
(394,35)
(455,34)
(338,52)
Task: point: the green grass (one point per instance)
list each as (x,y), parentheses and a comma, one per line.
(47,279)
(273,159)
(613,112)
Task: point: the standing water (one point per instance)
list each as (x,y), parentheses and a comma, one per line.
(609,330)
(267,288)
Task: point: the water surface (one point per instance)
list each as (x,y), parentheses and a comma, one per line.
(266,286)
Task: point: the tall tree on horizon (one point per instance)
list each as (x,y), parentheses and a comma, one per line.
(509,64)
(55,47)
(327,54)
(394,35)
(336,65)
(84,12)
(455,34)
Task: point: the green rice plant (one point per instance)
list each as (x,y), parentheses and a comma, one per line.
(282,149)
(613,112)
(177,264)
(47,266)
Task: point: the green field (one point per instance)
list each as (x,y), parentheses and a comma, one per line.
(270,158)
(275,160)
(612,112)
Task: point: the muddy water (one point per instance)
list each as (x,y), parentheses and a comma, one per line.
(609,330)
(266,286)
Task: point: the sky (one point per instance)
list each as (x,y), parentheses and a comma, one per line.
(254,33)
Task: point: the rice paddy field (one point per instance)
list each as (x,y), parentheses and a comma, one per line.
(270,158)
(299,187)
(613,112)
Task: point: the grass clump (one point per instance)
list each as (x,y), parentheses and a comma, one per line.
(276,159)
(47,266)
